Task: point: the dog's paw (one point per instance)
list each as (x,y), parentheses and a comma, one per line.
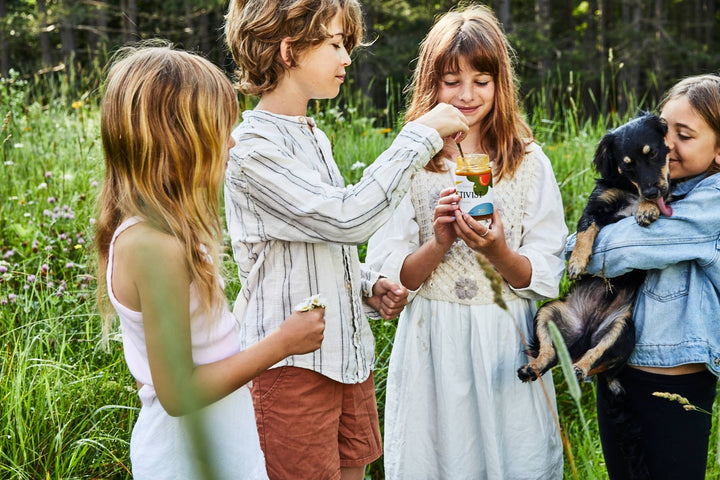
(527,373)
(575,269)
(580,373)
(647,213)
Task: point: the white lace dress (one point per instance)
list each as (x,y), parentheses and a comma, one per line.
(455,408)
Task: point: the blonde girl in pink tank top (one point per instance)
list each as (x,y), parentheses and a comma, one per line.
(166,122)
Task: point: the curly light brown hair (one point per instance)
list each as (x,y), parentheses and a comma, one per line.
(254,30)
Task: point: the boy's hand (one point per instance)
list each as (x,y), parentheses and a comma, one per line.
(389,298)
(447,120)
(303,331)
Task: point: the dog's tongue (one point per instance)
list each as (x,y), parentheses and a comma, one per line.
(664,209)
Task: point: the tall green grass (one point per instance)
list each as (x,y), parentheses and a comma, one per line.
(67,405)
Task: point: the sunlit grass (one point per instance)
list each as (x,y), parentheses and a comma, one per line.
(68,405)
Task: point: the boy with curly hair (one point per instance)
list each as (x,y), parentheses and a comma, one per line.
(295,227)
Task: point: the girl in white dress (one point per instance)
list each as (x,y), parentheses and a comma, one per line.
(455,408)
(166,122)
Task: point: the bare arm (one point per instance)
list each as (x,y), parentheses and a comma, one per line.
(162,283)
(419,265)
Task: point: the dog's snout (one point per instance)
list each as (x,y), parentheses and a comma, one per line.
(651,192)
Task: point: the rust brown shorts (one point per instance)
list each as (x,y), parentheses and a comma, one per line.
(311,425)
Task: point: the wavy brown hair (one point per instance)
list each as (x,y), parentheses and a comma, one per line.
(703,94)
(473,34)
(255,28)
(166,119)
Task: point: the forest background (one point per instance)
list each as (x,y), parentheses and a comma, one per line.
(597,57)
(67,405)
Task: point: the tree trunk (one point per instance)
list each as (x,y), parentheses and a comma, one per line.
(98,36)
(658,62)
(67,36)
(4,54)
(709,16)
(129,15)
(629,76)
(204,30)
(542,24)
(45,49)
(503,14)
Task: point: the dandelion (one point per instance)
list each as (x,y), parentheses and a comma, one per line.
(385,131)
(76,104)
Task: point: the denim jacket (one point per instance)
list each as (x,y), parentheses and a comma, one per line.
(677,311)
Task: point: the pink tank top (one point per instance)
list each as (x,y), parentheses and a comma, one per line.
(209,344)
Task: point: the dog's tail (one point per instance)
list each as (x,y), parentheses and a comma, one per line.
(627,426)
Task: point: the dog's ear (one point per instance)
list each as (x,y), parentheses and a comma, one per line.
(660,124)
(605,157)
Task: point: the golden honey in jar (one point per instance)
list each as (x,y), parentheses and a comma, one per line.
(473,182)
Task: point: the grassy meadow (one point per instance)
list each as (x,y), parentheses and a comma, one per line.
(67,405)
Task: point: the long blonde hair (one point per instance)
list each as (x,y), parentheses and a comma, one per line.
(473,34)
(166,120)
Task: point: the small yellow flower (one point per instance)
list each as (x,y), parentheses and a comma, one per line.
(386,130)
(76,104)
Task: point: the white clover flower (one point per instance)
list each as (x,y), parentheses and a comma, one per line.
(357,166)
(9,163)
(18,145)
(316,301)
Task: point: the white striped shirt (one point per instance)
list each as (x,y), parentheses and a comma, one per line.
(295,228)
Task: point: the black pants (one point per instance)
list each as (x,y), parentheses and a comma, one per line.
(674,441)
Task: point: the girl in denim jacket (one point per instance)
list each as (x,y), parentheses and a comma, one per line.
(677,312)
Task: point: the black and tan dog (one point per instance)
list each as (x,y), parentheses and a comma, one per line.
(595,318)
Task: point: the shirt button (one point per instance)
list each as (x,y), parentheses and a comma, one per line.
(717,362)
